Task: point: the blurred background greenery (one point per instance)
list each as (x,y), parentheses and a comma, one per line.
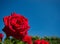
(52,40)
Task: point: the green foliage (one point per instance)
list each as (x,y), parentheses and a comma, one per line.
(1,42)
(52,40)
(35,38)
(12,41)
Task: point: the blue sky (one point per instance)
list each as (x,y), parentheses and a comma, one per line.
(43,15)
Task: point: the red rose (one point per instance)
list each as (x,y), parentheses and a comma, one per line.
(40,42)
(15,24)
(1,35)
(27,39)
(37,41)
(44,42)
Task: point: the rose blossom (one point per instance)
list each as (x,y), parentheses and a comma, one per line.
(16,25)
(41,42)
(37,41)
(1,35)
(27,39)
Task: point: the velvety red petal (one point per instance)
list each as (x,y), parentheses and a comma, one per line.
(8,31)
(6,20)
(28,39)
(44,42)
(37,41)
(1,35)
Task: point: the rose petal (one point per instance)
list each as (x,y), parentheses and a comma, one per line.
(5,19)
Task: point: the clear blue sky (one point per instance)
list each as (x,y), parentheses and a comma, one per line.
(43,15)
